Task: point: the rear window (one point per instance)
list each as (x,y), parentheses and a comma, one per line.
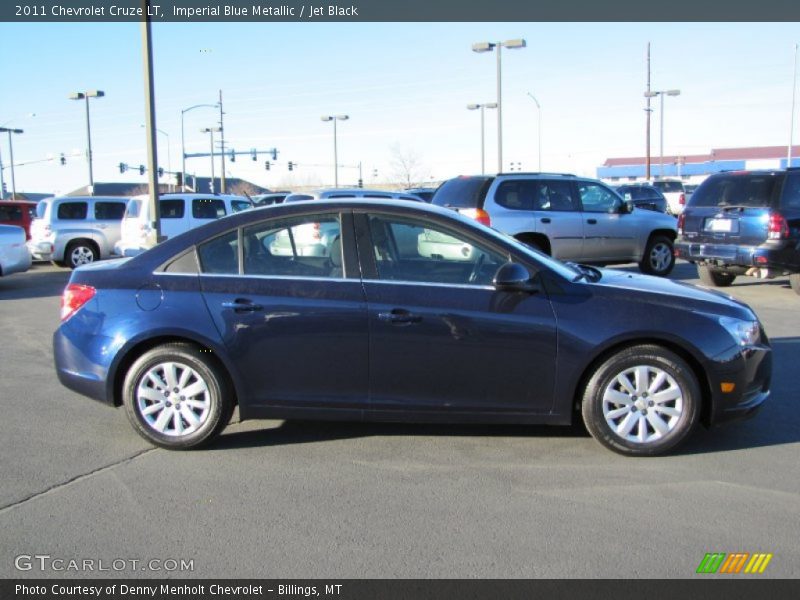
(109,211)
(668,186)
(463,192)
(639,193)
(753,190)
(791,191)
(41,209)
(208,208)
(133,209)
(72,211)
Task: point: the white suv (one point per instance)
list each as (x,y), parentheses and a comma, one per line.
(674,192)
(76,230)
(179,213)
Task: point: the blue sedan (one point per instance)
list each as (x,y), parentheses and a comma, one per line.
(344,310)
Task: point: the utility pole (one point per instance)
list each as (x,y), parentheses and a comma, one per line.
(221,144)
(791,120)
(150,125)
(648,110)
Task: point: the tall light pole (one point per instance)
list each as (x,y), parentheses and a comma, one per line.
(2,182)
(791,120)
(661,94)
(335,118)
(488,47)
(183,144)
(539,111)
(11,158)
(86,96)
(482,107)
(210,131)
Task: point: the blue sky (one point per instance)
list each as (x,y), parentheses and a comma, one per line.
(405,86)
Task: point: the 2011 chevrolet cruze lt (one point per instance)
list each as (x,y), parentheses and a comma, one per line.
(344,310)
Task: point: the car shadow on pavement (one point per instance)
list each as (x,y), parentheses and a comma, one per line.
(777,423)
(41,281)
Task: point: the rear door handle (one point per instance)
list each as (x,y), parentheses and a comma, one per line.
(592,221)
(545,219)
(400,316)
(242,305)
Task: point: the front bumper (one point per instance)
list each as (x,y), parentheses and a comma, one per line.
(779,255)
(750,371)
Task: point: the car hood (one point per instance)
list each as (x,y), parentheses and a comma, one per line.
(666,292)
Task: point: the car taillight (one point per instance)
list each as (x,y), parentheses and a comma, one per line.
(681,222)
(778,228)
(480,215)
(682,199)
(74,297)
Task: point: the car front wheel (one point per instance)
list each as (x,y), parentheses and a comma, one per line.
(659,256)
(642,401)
(176,397)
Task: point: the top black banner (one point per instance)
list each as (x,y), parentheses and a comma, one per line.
(189,11)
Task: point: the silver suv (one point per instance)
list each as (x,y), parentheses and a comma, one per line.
(568,217)
(76,230)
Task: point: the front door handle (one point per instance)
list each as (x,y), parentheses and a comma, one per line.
(242,305)
(592,221)
(545,219)
(400,316)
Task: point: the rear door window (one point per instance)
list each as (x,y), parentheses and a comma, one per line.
(10,213)
(791,191)
(109,211)
(172,209)
(536,194)
(72,211)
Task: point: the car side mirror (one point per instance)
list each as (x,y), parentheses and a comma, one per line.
(626,207)
(513,277)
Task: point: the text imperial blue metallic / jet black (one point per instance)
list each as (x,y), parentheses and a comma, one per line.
(353,310)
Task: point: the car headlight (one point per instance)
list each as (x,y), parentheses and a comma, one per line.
(745,333)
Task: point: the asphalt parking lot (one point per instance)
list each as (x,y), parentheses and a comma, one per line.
(345,500)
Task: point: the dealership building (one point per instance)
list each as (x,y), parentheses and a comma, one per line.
(694,168)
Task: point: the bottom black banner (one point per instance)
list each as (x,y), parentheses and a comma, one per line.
(389,589)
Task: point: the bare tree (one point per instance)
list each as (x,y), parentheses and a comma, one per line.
(242,188)
(407,166)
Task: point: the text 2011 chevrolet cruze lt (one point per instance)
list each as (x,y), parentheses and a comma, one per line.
(345,310)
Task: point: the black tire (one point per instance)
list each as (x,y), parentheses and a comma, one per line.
(642,412)
(659,256)
(714,277)
(80,252)
(794,281)
(59,263)
(216,400)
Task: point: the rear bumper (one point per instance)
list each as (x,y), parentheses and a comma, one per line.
(783,255)
(126,249)
(77,372)
(42,250)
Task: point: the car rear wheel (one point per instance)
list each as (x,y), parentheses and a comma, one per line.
(714,277)
(659,256)
(794,281)
(79,253)
(642,401)
(176,397)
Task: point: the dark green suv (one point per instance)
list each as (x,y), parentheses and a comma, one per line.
(743,223)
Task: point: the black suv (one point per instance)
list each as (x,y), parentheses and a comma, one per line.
(743,223)
(643,196)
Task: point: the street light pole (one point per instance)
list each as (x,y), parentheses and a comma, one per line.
(661,94)
(183,143)
(210,131)
(85,96)
(482,107)
(335,118)
(488,47)
(539,111)
(791,120)
(11,158)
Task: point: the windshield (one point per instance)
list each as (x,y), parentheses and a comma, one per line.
(240,205)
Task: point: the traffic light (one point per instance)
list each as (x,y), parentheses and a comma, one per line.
(63,159)
(274,154)
(123,167)
(141,169)
(361,183)
(266,165)
(254,154)
(160,171)
(179,179)
(291,165)
(233,155)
